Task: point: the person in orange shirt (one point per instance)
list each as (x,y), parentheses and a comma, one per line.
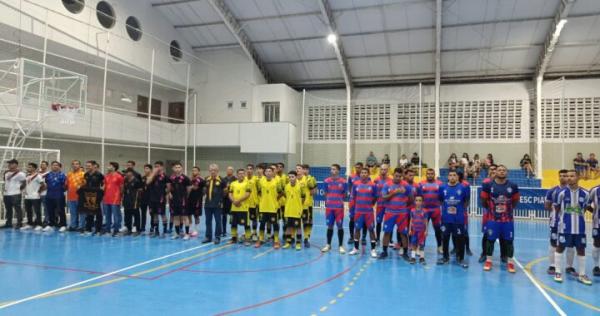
(111,204)
(75,180)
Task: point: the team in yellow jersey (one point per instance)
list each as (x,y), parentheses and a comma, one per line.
(310,183)
(239,194)
(295,194)
(269,191)
(252,200)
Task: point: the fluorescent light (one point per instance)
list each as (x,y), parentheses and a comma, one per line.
(125,98)
(332,38)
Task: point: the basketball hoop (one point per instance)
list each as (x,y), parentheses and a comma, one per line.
(66,113)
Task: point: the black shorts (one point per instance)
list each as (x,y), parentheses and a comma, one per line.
(157,208)
(253,213)
(178,210)
(239,218)
(293,222)
(268,218)
(194,210)
(307,216)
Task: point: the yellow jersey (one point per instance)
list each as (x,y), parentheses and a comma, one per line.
(283,180)
(294,195)
(253,199)
(268,191)
(238,190)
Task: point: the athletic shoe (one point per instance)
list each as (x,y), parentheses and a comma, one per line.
(306,243)
(487,266)
(87,234)
(123,230)
(48,229)
(422,261)
(135,234)
(276,245)
(363,241)
(504,259)
(397,246)
(71,229)
(443,261)
(469,253)
(405,257)
(353,252)
(383,255)
(186,237)
(247,243)
(463,264)
(596,271)
(194,233)
(175,236)
(342,250)
(206,240)
(287,245)
(571,271)
(257,244)
(584,279)
(62,229)
(26,227)
(373,253)
(551,270)
(326,248)
(412,260)
(482,258)
(510,267)
(298,246)
(217,241)
(38,228)
(440,250)
(558,277)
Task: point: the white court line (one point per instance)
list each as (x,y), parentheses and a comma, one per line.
(104,276)
(263,253)
(548,298)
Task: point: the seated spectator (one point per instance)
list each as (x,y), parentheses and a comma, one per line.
(464,161)
(452,162)
(403,162)
(472,172)
(489,160)
(477,163)
(415,160)
(593,171)
(371,160)
(526,165)
(580,164)
(385,160)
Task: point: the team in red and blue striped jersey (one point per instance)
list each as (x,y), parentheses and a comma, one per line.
(381,181)
(363,196)
(351,180)
(418,230)
(399,196)
(593,205)
(454,200)
(500,197)
(549,206)
(486,217)
(429,190)
(335,193)
(570,205)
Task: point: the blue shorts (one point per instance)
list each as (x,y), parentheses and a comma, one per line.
(363,220)
(502,230)
(572,240)
(399,220)
(553,236)
(455,229)
(417,239)
(334,216)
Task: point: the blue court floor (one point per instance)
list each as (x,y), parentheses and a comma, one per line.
(68,274)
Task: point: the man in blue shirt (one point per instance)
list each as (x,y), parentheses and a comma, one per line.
(56,184)
(454,197)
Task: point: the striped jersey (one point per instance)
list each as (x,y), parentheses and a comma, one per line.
(418,220)
(570,209)
(335,192)
(364,195)
(399,202)
(430,193)
(551,197)
(594,202)
(501,198)
(380,182)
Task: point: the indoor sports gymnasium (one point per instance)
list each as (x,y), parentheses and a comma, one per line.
(300,157)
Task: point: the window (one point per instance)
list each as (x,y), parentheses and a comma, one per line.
(230,105)
(177,112)
(105,14)
(326,122)
(134,29)
(371,121)
(142,108)
(74,6)
(271,111)
(243,104)
(175,50)
(570,118)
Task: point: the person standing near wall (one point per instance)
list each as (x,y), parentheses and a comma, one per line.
(228,179)
(90,197)
(34,184)
(113,191)
(56,182)
(44,172)
(14,182)
(156,183)
(215,192)
(75,180)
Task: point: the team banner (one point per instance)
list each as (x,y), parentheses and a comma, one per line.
(531,198)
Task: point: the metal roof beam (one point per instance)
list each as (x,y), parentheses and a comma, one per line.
(560,18)
(339,50)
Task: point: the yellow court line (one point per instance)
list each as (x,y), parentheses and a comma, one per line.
(107,282)
(550,289)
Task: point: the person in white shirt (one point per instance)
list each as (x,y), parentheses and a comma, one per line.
(34,184)
(44,172)
(14,182)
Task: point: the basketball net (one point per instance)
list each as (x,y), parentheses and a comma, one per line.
(66,113)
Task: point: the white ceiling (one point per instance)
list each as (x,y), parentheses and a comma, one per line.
(394,40)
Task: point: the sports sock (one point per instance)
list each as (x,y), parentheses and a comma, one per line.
(596,256)
(413,254)
(373,244)
(551,255)
(581,264)
(307,231)
(164,228)
(378,231)
(356,243)
(570,257)
(187,229)
(341,236)
(329,235)
(177,230)
(384,249)
(558,260)
(261,235)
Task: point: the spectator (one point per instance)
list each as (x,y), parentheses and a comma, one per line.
(385,160)
(580,165)
(477,163)
(371,160)
(489,160)
(472,171)
(403,162)
(452,162)
(464,161)
(593,170)
(526,165)
(415,160)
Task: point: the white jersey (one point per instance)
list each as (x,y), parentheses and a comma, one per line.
(13,182)
(32,188)
(571,210)
(551,197)
(44,174)
(594,202)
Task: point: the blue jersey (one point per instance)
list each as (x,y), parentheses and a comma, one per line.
(500,200)
(570,208)
(453,199)
(551,197)
(55,184)
(594,202)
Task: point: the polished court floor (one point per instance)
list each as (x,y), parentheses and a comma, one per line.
(69,274)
